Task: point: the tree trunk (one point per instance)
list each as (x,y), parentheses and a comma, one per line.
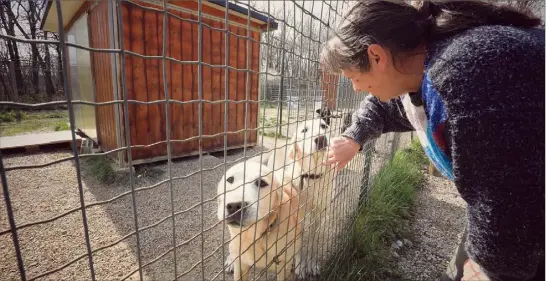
(13,50)
(60,68)
(35,72)
(50,89)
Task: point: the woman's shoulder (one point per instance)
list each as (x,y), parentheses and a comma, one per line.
(492,45)
(488,62)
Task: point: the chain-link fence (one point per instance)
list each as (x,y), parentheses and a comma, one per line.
(216,175)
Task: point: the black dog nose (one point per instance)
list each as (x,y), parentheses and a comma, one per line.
(235,211)
(234,207)
(321,142)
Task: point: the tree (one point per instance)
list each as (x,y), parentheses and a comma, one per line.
(7,22)
(30,12)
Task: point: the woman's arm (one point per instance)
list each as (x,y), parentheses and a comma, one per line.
(491,81)
(374,118)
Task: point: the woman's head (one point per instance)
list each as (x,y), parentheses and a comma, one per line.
(380,44)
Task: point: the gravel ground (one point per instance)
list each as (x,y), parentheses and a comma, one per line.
(437,226)
(49,192)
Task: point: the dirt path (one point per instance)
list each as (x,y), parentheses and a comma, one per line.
(436,227)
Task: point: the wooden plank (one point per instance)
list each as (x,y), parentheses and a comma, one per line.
(189,154)
(195,86)
(102,73)
(131,71)
(232,95)
(217,58)
(240,49)
(254,92)
(152,75)
(206,79)
(33,140)
(175,82)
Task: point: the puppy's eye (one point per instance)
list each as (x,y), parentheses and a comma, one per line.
(323,126)
(304,130)
(230,179)
(261,183)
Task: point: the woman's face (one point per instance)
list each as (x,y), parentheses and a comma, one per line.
(383,80)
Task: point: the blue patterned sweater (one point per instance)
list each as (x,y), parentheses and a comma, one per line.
(483,93)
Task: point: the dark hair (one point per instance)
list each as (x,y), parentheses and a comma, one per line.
(401,27)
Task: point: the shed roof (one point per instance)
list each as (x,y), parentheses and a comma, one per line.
(70,9)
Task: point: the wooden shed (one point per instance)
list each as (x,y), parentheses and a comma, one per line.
(97,76)
(338,92)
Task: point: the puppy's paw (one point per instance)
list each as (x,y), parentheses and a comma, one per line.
(300,270)
(313,268)
(229,264)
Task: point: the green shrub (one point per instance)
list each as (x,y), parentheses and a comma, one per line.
(7,116)
(100,168)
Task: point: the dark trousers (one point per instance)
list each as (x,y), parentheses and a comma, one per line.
(456,266)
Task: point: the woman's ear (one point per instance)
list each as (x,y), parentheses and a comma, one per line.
(377,56)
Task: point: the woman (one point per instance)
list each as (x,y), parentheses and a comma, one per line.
(474,73)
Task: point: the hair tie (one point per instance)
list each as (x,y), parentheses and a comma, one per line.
(424,8)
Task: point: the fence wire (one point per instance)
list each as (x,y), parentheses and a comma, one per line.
(248,90)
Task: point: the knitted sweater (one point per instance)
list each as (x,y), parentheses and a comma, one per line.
(483,94)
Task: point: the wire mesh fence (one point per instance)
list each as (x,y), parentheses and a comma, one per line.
(218,177)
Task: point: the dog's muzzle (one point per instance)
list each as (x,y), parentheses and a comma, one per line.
(321,142)
(235,212)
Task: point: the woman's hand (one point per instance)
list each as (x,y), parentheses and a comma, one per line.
(342,150)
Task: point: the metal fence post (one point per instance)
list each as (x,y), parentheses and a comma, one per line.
(365,183)
(394,144)
(281,84)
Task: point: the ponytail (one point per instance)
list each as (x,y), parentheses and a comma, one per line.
(447,18)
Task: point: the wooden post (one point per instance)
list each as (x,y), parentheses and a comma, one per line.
(15,91)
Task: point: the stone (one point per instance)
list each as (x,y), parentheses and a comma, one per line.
(407,242)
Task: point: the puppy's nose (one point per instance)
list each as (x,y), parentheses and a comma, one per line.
(235,211)
(234,207)
(321,142)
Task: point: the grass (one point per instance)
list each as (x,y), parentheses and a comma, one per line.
(269,127)
(33,121)
(62,126)
(100,169)
(272,134)
(379,220)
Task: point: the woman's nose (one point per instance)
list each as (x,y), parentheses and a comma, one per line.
(355,88)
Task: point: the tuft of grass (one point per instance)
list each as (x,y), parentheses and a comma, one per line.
(389,198)
(12,116)
(62,126)
(272,135)
(100,168)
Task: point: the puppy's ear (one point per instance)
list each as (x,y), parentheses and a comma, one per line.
(294,151)
(318,110)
